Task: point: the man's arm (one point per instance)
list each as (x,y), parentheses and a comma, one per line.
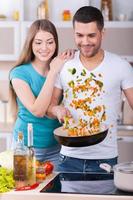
(129,95)
(55,109)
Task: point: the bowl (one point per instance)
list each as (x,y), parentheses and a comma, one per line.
(62,137)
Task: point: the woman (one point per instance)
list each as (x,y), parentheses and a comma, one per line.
(31,85)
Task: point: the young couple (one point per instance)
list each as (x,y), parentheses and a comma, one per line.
(41,77)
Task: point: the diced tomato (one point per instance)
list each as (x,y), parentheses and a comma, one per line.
(41,176)
(48,166)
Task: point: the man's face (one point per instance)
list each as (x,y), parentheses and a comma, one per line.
(87,38)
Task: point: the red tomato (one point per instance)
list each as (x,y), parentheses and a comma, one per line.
(48,166)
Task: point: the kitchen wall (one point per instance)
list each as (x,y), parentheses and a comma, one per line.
(4,91)
(118,40)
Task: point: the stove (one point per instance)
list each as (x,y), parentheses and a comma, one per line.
(84,183)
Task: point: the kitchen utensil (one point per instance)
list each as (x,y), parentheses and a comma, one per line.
(123,175)
(62,137)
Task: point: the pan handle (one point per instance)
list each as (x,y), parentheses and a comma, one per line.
(106,167)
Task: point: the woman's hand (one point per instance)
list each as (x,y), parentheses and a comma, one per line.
(57,63)
(69,53)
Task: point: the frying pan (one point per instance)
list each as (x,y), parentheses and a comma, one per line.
(62,137)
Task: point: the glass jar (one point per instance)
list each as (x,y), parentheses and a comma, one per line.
(66,15)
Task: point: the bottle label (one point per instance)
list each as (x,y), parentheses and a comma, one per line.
(20,163)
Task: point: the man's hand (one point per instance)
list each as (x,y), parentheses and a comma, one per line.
(61,112)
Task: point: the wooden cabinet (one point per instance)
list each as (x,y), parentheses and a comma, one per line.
(10,37)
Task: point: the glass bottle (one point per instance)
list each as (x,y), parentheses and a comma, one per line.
(31,162)
(20,162)
(105,11)
(66,15)
(42,10)
(15,15)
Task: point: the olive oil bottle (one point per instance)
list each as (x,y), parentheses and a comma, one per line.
(31,162)
(20,162)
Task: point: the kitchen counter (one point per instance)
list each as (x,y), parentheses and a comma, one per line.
(35,195)
(50,196)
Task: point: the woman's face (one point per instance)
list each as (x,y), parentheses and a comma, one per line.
(43,46)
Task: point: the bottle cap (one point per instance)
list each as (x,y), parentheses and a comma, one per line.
(20,135)
(30,134)
(30,126)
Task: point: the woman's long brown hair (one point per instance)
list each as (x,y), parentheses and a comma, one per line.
(27,55)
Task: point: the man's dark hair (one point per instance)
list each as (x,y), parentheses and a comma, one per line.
(89,14)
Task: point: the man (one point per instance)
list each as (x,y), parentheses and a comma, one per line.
(91,84)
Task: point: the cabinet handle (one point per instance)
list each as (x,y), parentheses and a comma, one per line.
(120,139)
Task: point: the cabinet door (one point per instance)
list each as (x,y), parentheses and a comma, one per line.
(10,40)
(24,29)
(5,141)
(125,149)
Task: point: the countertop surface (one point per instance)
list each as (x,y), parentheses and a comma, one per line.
(51,196)
(36,195)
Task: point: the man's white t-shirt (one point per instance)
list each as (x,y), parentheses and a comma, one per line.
(104,85)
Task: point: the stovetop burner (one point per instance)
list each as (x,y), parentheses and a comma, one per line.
(84,183)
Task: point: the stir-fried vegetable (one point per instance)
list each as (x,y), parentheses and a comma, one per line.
(72,71)
(83,90)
